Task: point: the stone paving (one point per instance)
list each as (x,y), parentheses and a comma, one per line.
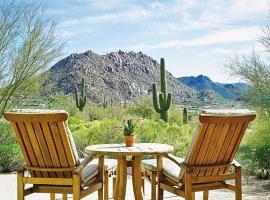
(8,192)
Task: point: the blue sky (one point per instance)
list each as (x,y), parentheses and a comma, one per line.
(194,36)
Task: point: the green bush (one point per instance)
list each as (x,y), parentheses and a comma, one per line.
(95,132)
(6,133)
(247,158)
(175,115)
(161,132)
(259,134)
(10,154)
(111,131)
(10,157)
(263,156)
(143,107)
(60,101)
(258,140)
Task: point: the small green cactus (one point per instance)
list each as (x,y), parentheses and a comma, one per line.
(80,100)
(129,127)
(111,102)
(125,102)
(162,101)
(105,103)
(185,115)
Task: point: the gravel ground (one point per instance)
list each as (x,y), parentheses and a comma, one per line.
(254,190)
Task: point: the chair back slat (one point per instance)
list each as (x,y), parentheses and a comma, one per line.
(44,146)
(60,147)
(52,147)
(36,147)
(216,142)
(66,143)
(29,147)
(44,142)
(23,146)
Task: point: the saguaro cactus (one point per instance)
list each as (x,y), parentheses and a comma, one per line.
(105,102)
(185,115)
(162,101)
(80,100)
(125,103)
(111,102)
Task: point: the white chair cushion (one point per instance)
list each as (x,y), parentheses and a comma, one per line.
(108,163)
(170,169)
(38,111)
(87,173)
(228,111)
(91,170)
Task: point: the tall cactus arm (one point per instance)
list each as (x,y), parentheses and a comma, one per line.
(80,98)
(161,101)
(155,98)
(83,101)
(163,83)
(76,97)
(168,102)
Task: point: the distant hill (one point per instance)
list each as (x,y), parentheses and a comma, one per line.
(230,91)
(117,75)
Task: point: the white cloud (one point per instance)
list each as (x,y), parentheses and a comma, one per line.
(107,5)
(236,35)
(127,16)
(206,15)
(244,50)
(226,36)
(67,34)
(222,12)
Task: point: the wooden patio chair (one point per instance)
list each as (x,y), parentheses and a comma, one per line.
(210,159)
(51,158)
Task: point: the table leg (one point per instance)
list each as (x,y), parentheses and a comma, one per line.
(121,182)
(137,178)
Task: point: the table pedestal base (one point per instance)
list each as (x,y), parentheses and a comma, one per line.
(121,181)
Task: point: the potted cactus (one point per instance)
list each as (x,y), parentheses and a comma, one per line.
(129,134)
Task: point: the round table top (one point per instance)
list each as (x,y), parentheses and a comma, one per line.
(137,149)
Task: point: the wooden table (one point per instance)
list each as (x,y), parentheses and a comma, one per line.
(121,152)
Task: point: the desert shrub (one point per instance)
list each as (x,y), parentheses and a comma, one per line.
(143,107)
(175,115)
(6,133)
(95,111)
(10,157)
(247,158)
(111,131)
(257,138)
(263,156)
(259,133)
(61,101)
(10,154)
(95,132)
(161,132)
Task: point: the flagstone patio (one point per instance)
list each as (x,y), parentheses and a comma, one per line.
(8,191)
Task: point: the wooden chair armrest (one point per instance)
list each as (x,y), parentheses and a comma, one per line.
(174,159)
(21,169)
(235,164)
(87,160)
(83,153)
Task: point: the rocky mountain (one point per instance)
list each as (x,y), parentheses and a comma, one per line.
(231,91)
(117,75)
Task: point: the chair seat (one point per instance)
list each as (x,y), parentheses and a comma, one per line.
(88,172)
(91,170)
(109,164)
(170,169)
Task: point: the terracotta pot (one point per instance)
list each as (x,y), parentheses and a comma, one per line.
(130,140)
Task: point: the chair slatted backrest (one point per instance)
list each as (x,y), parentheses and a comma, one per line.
(44,141)
(216,142)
